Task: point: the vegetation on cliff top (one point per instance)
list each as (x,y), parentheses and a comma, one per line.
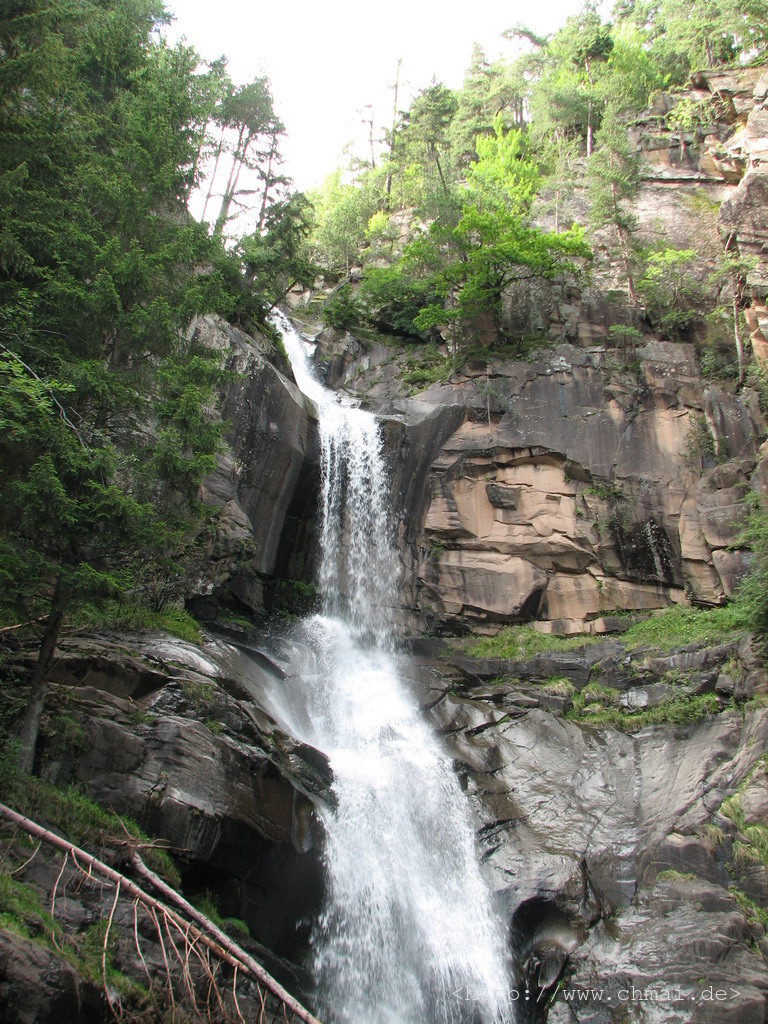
(470,190)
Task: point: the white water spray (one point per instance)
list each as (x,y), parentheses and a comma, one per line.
(408,934)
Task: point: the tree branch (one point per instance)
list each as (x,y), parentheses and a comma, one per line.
(217,941)
(54,399)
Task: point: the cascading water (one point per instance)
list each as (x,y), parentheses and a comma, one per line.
(408,934)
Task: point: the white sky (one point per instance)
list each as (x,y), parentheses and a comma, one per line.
(327,59)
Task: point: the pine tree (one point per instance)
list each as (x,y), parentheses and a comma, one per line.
(104,403)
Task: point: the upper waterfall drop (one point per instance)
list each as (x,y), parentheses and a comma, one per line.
(408,933)
(358,567)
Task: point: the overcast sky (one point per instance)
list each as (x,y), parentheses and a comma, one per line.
(328,59)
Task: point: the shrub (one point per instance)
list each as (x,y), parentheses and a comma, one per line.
(341,310)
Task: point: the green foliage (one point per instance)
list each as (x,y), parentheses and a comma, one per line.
(493,239)
(276,258)
(712,835)
(295,598)
(632,73)
(569,70)
(612,177)
(559,686)
(201,695)
(670,292)
(63,735)
(207,903)
(21,910)
(673,711)
(420,154)
(342,310)
(752,595)
(394,296)
(751,843)
(427,365)
(343,211)
(754,913)
(700,444)
(82,820)
(518,643)
(711,32)
(130,615)
(677,626)
(107,407)
(757,379)
(690,115)
(489,91)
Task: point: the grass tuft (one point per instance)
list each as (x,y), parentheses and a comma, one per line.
(518,643)
(675,627)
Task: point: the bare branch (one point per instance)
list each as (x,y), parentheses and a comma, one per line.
(27,862)
(104,951)
(21,625)
(205,932)
(53,895)
(54,399)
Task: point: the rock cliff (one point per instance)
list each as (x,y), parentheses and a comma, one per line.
(600,472)
(564,488)
(263,492)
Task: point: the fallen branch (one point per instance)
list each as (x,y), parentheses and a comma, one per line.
(225,941)
(207,934)
(21,625)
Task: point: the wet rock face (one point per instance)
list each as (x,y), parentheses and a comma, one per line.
(38,987)
(576,490)
(622,859)
(172,736)
(265,487)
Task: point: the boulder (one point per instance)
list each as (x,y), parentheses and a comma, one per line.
(39,987)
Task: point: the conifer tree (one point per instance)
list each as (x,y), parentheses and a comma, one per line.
(104,403)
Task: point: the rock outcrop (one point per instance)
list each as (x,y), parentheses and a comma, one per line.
(564,488)
(621,857)
(174,736)
(264,488)
(602,472)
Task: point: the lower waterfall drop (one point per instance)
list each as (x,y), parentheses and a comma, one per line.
(408,933)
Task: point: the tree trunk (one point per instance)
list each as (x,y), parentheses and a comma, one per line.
(211,936)
(196,161)
(736,300)
(388,179)
(624,246)
(34,711)
(589,110)
(268,182)
(736,332)
(625,249)
(209,194)
(234,173)
(440,172)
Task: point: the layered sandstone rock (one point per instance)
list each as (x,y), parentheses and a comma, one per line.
(576,489)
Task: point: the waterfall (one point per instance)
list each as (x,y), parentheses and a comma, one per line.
(408,933)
